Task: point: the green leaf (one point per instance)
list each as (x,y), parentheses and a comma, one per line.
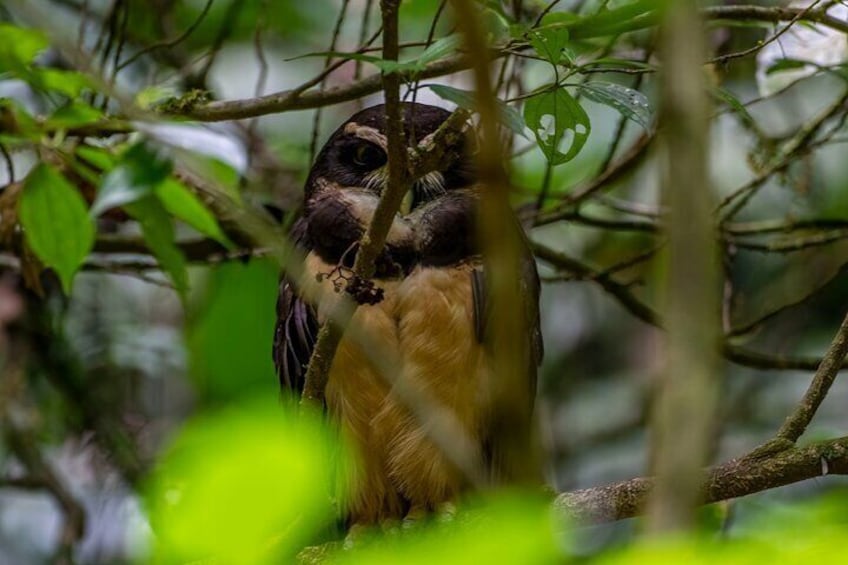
(158,231)
(136,175)
(19,46)
(73,115)
(97,156)
(230,332)
(508,115)
(55,222)
(512,528)
(628,17)
(785,65)
(384,65)
(550,43)
(439,49)
(259,500)
(16,122)
(553,114)
(181,203)
(69,83)
(630,103)
(738,108)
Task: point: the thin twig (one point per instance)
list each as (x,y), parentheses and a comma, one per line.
(316,119)
(25,448)
(798,421)
(374,238)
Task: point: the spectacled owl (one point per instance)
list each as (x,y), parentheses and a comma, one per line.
(430,312)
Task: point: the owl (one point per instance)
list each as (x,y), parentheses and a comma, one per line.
(427,309)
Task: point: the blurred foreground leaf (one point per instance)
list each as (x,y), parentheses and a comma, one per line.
(797,534)
(509,528)
(158,231)
(135,176)
(180,202)
(231,330)
(250,484)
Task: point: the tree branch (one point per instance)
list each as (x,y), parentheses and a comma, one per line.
(798,421)
(374,239)
(297,99)
(738,477)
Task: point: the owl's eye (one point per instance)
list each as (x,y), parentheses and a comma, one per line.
(369,156)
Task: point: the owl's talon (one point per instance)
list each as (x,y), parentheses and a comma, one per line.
(391,526)
(354,536)
(413,517)
(446,512)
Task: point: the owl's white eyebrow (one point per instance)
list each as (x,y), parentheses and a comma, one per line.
(368,134)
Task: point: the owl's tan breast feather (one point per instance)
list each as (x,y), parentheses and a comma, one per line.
(426,321)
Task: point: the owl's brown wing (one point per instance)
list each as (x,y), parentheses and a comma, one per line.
(296,331)
(498,450)
(530,291)
(294,338)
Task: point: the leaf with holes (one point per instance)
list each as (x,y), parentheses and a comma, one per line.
(55,222)
(508,115)
(553,114)
(630,103)
(136,175)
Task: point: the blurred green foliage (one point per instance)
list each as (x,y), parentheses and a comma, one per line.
(248,484)
(230,330)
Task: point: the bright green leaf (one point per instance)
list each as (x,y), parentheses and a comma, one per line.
(630,103)
(56,224)
(250,484)
(158,231)
(785,65)
(15,120)
(508,529)
(19,46)
(508,115)
(97,156)
(74,114)
(69,83)
(231,332)
(181,203)
(553,114)
(136,175)
(384,65)
(550,43)
(734,104)
(439,49)
(624,18)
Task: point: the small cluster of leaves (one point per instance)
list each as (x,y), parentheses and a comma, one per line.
(362,290)
(58,225)
(19,52)
(553,114)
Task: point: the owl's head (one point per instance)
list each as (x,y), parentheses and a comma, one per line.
(355,155)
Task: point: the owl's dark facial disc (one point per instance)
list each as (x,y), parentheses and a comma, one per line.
(355,155)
